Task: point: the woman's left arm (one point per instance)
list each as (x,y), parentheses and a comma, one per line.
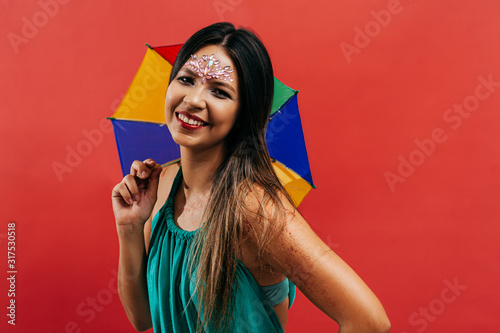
(324,278)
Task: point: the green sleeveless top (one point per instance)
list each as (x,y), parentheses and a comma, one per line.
(170,286)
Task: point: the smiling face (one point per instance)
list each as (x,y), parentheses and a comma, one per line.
(201,108)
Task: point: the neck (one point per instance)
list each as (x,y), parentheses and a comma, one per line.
(199,169)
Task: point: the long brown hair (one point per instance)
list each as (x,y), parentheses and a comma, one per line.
(245,170)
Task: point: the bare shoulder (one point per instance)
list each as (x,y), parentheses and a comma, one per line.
(281,208)
(167,176)
(295,246)
(265,224)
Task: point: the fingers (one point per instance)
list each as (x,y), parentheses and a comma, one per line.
(127,189)
(150,162)
(143,176)
(143,169)
(132,186)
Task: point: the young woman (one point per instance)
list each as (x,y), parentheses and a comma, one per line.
(213,242)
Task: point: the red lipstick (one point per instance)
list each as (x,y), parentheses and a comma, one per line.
(189,121)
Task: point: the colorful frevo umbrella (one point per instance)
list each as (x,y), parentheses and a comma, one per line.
(141,132)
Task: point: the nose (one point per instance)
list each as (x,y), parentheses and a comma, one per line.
(195,98)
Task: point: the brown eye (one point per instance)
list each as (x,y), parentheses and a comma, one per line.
(220,94)
(185,80)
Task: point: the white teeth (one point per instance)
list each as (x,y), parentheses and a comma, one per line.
(189,121)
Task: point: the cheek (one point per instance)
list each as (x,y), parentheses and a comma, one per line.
(169,98)
(236,114)
(226,116)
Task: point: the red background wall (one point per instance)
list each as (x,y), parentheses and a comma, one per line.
(365,97)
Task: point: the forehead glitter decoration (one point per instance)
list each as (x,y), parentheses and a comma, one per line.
(209,67)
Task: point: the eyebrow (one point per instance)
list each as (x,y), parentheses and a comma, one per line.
(213,80)
(218,82)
